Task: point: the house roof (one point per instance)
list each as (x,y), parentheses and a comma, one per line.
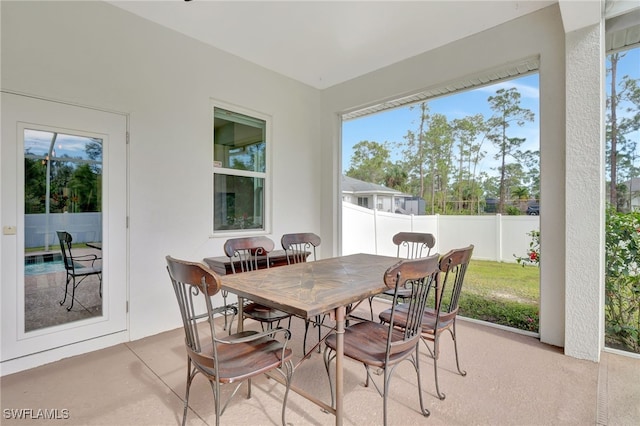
(360,187)
(633,184)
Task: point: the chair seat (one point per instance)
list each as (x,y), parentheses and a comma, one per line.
(403,293)
(367,342)
(86,271)
(263,313)
(428,318)
(240,361)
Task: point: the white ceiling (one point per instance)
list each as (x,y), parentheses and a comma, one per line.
(323,43)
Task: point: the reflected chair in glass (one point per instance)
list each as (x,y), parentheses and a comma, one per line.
(81,267)
(442,316)
(299,247)
(409,245)
(230,359)
(249,254)
(379,346)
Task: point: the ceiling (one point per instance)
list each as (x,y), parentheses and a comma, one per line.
(324,43)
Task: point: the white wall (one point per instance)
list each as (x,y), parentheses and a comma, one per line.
(540,33)
(585,206)
(94,54)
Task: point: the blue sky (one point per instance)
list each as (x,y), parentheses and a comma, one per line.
(392,126)
(38,142)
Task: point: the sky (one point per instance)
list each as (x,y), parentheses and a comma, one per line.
(392,125)
(37,142)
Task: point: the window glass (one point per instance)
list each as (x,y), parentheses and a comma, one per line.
(239,141)
(239,172)
(239,202)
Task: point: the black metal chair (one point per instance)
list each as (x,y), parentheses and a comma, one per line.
(232,359)
(382,346)
(299,247)
(442,316)
(81,267)
(248,254)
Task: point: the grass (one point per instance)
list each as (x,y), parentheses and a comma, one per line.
(502,293)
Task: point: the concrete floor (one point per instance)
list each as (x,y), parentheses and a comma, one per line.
(512,380)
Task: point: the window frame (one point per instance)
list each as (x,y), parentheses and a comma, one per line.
(266,175)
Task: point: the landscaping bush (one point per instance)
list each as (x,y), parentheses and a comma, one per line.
(622,281)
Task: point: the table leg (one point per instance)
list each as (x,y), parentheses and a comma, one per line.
(240,314)
(340,319)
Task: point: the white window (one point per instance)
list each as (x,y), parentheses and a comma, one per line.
(239,171)
(363,202)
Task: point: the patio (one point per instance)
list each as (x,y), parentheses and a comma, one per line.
(512,380)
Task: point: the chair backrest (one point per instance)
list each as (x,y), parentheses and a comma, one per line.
(247,252)
(453,267)
(65,247)
(192,280)
(412,245)
(298,246)
(420,275)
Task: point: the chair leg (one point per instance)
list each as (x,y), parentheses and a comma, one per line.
(319,322)
(436,354)
(371,306)
(328,356)
(66,287)
(416,364)
(73,294)
(287,370)
(304,340)
(190,375)
(455,347)
(224,302)
(215,387)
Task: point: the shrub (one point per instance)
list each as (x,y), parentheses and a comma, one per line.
(533,254)
(622,280)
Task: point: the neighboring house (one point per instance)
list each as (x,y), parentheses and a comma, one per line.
(633,194)
(379,197)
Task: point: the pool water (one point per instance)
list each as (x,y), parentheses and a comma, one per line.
(43,267)
(47,263)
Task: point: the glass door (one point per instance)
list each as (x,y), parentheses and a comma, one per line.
(64,203)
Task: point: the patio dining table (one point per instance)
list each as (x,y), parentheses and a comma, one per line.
(313,288)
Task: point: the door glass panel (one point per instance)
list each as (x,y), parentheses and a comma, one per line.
(63,192)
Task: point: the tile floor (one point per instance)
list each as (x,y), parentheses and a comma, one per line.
(512,380)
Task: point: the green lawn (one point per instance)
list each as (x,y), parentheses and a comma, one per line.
(502,293)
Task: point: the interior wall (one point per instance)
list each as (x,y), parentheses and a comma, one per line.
(540,33)
(94,54)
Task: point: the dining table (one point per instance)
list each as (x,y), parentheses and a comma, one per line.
(308,289)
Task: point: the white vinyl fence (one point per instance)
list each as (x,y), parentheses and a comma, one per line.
(495,237)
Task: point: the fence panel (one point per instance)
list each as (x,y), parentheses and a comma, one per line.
(495,237)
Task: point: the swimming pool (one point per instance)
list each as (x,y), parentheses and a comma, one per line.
(48,263)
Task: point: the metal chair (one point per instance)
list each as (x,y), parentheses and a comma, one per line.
(299,247)
(77,267)
(410,245)
(249,254)
(235,358)
(382,346)
(442,316)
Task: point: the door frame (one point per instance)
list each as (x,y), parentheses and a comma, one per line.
(22,350)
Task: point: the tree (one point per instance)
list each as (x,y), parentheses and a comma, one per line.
(507,111)
(369,162)
(621,150)
(466,132)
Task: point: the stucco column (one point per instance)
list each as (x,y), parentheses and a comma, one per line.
(585,239)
